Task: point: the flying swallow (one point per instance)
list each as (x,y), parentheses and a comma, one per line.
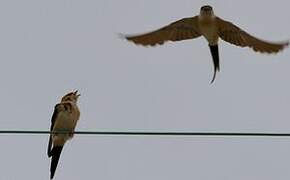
(63,122)
(211,27)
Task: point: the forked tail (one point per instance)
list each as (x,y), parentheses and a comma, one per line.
(55,153)
(214,50)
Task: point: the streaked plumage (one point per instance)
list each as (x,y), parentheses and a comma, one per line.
(64,118)
(211,27)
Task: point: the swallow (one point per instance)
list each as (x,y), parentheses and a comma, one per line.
(63,122)
(212,28)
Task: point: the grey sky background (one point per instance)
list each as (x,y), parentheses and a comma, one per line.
(51,47)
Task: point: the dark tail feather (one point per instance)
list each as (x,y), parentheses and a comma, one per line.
(214,50)
(55,152)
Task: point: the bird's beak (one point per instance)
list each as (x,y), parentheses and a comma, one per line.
(76,93)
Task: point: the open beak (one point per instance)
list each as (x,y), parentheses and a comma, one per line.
(76,93)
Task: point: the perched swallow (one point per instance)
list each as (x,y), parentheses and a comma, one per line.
(212,28)
(64,119)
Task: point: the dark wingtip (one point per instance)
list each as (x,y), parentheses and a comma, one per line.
(284,44)
(49,148)
(121,36)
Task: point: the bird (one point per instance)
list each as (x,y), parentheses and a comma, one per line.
(212,28)
(63,122)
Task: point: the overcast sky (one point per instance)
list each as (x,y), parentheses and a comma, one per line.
(50,47)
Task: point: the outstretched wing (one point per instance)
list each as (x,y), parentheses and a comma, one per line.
(234,35)
(55,112)
(183,29)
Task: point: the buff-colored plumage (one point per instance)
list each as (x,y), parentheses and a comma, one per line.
(212,28)
(180,30)
(235,35)
(189,28)
(63,122)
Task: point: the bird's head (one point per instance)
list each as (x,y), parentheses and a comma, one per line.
(206,12)
(72,96)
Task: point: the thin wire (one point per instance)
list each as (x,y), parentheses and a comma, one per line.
(150,133)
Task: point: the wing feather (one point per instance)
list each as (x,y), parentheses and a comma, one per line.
(235,35)
(54,116)
(186,28)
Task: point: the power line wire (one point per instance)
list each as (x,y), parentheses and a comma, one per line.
(151,133)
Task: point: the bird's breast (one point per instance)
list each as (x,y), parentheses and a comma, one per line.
(66,121)
(209,30)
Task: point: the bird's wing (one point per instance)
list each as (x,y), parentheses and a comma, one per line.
(234,35)
(54,116)
(183,29)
